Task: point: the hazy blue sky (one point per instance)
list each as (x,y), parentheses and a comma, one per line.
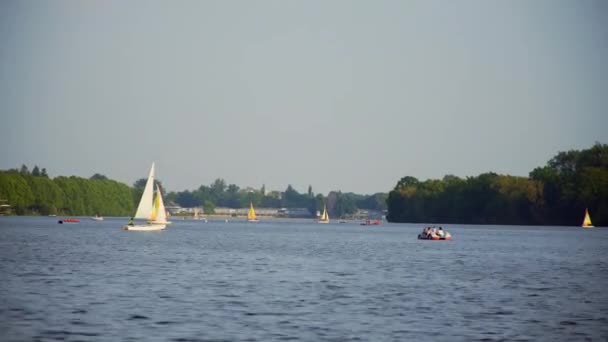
(342,95)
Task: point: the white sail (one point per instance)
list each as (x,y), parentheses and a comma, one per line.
(146,203)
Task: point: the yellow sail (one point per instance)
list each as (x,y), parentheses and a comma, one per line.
(324,218)
(587,220)
(155,208)
(251,214)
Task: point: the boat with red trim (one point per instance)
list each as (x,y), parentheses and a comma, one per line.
(370,223)
(68,220)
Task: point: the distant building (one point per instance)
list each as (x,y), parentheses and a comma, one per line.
(243,211)
(362,214)
(174,209)
(294,212)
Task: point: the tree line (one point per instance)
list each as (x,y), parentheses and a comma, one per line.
(555,194)
(35,193)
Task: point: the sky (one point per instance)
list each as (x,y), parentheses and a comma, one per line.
(340,95)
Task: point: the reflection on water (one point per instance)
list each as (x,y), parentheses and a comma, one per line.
(294,280)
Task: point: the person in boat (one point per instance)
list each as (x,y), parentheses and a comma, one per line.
(426,231)
(131,222)
(440,232)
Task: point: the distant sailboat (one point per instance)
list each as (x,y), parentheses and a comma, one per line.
(251,217)
(149,208)
(587,220)
(324,217)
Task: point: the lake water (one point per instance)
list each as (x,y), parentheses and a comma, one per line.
(299,281)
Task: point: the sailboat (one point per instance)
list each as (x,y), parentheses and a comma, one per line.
(159,213)
(587,220)
(324,218)
(149,208)
(251,217)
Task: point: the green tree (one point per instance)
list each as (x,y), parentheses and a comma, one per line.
(319,203)
(218,187)
(293,199)
(232,198)
(24,170)
(209,207)
(187,199)
(344,205)
(15,189)
(47,195)
(98,176)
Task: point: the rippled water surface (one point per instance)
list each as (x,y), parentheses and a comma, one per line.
(298,281)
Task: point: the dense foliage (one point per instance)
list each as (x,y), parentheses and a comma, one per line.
(36,193)
(556,194)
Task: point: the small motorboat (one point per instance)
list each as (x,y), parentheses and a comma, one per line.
(97,218)
(68,220)
(432,233)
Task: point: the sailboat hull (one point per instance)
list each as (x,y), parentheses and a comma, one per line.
(145,228)
(165,223)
